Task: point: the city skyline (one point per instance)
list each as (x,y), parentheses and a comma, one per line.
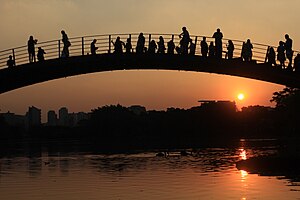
(151,88)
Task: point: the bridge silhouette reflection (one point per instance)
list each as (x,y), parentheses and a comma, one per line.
(82,62)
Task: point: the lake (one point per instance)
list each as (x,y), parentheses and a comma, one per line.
(208,173)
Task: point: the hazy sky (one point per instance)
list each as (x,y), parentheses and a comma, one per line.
(264,21)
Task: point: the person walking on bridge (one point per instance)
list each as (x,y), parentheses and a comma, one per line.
(31,48)
(67,44)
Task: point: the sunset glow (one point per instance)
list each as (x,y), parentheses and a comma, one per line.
(241,96)
(154,89)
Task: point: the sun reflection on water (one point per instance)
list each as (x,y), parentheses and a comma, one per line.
(244,174)
(243,154)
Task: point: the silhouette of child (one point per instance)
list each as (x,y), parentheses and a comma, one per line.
(40,54)
(192,47)
(10,62)
(128,45)
(93,47)
(211,50)
(230,49)
(152,47)
(171,47)
(271,57)
(280,54)
(204,47)
(161,45)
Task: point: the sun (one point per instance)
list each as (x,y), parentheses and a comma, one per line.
(241,96)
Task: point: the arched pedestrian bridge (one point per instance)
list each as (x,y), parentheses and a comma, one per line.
(82,62)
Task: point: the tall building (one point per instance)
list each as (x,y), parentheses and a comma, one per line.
(33,116)
(63,116)
(52,118)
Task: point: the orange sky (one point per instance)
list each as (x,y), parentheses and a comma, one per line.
(263,21)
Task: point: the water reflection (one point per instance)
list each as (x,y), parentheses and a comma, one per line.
(209,173)
(243,154)
(244,174)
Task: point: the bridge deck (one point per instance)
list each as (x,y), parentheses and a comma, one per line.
(28,74)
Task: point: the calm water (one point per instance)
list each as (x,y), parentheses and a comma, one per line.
(208,174)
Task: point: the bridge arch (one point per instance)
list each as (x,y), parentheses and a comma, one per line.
(82,62)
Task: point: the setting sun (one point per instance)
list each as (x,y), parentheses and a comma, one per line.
(241,96)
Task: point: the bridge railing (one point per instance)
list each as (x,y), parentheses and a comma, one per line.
(80,46)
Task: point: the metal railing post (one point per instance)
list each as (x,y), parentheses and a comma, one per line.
(267,54)
(59,48)
(149,40)
(82,46)
(109,43)
(130,41)
(14,57)
(196,38)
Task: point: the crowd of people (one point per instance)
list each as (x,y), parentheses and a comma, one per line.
(186,47)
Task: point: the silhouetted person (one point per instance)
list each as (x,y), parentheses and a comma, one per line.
(171,47)
(192,48)
(280,54)
(271,57)
(248,51)
(140,46)
(118,45)
(230,49)
(218,35)
(288,49)
(204,47)
(31,48)
(128,45)
(93,47)
(185,40)
(243,54)
(10,62)
(152,47)
(67,44)
(161,45)
(40,54)
(297,63)
(211,50)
